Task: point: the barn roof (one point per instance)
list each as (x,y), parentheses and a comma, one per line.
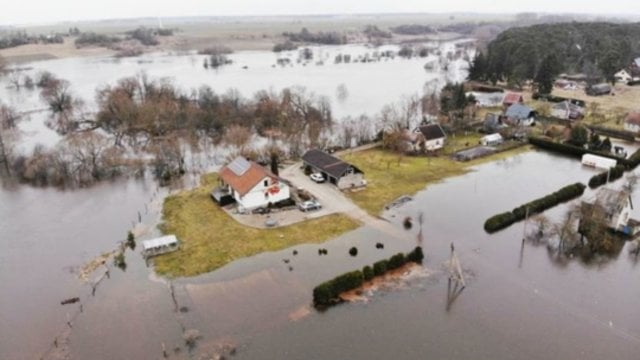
(633,118)
(432,132)
(512,98)
(327,163)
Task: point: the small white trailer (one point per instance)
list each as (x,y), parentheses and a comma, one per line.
(596,161)
(158,246)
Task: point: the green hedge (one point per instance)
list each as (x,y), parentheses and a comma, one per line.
(328,292)
(570,149)
(633,161)
(616,133)
(501,221)
(601,179)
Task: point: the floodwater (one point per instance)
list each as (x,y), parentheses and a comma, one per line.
(369,86)
(520,302)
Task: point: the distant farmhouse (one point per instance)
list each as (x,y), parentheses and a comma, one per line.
(336,171)
(425,138)
(567,110)
(250,185)
(434,136)
(520,115)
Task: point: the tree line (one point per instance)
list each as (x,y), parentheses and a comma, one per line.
(541,52)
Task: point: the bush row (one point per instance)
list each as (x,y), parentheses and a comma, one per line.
(633,161)
(504,220)
(327,293)
(616,133)
(570,149)
(601,179)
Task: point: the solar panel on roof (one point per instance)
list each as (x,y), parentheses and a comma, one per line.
(239,166)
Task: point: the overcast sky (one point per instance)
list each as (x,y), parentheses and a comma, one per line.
(43,11)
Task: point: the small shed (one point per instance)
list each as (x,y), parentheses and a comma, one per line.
(492,140)
(158,246)
(599,89)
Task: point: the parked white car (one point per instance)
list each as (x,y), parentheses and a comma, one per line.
(317,177)
(309,205)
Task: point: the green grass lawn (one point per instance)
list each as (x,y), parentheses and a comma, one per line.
(390,176)
(210,238)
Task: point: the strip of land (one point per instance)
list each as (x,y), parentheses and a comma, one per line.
(390,176)
(210,238)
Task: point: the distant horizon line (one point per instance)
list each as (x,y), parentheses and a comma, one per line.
(317,15)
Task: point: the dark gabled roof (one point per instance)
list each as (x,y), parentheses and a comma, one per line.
(327,163)
(432,132)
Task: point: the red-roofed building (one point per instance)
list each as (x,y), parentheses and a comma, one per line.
(511,98)
(250,185)
(632,122)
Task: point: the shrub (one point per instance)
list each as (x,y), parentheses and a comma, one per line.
(328,292)
(501,221)
(416,255)
(396,261)
(131,242)
(322,294)
(367,273)
(380,267)
(353,251)
(601,179)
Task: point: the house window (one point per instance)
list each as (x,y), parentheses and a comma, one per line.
(266,195)
(266,183)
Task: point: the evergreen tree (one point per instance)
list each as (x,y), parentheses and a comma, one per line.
(478,67)
(546,75)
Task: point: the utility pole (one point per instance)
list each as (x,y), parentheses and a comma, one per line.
(524,228)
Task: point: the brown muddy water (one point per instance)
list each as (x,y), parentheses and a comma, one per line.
(520,302)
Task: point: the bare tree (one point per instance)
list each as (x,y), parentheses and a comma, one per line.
(565,230)
(237,136)
(342,93)
(8,135)
(3,65)
(15,79)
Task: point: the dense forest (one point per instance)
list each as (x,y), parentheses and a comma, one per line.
(597,50)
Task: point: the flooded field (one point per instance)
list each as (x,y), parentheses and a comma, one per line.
(521,301)
(365,87)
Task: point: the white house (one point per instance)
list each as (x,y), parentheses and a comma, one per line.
(632,122)
(250,185)
(623,76)
(614,205)
(434,137)
(492,139)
